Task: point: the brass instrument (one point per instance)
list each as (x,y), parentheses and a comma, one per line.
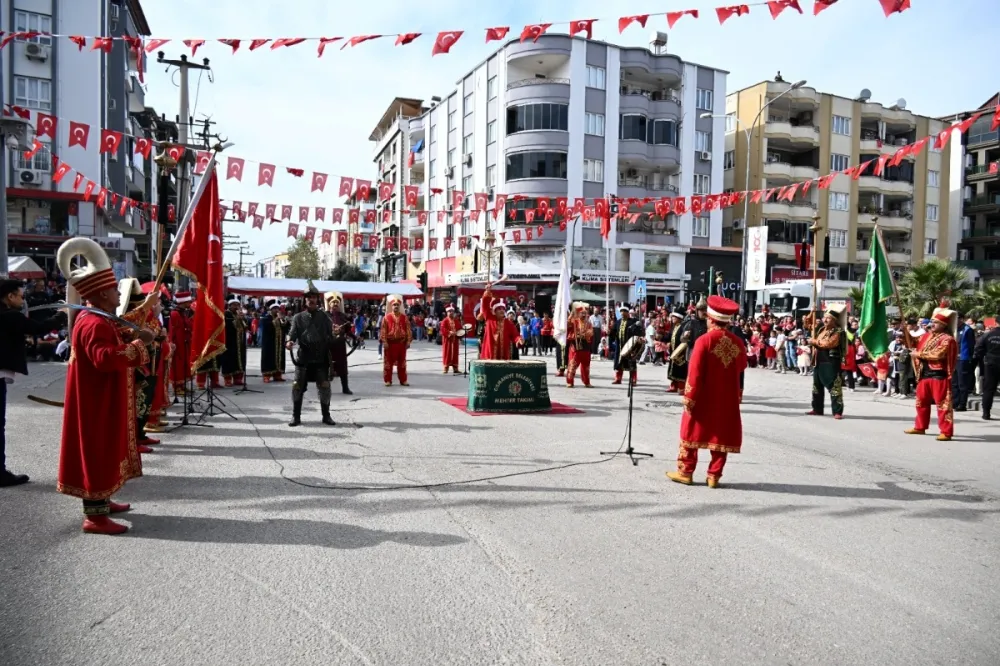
(678,355)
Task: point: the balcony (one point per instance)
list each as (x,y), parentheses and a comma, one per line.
(538,89)
(654,103)
(636,151)
(782,171)
(982,171)
(871,143)
(982,203)
(136,96)
(803,210)
(641,64)
(898,256)
(885,186)
(983,138)
(416,129)
(890,116)
(894,220)
(639,187)
(783,250)
(981,265)
(805,96)
(796,134)
(648,232)
(989,234)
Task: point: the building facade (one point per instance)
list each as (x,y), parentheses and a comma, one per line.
(565,117)
(801,134)
(977,194)
(273,267)
(54,76)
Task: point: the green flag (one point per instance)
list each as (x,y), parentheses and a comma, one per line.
(874,324)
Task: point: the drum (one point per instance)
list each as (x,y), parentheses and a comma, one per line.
(633,349)
(467,327)
(460,333)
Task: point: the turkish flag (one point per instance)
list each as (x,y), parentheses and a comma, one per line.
(327,236)
(269,210)
(346,186)
(341,239)
(802,254)
(201,162)
(310,234)
(143,147)
(410,194)
(457,198)
(495,35)
(385,190)
(891,7)
(499,204)
(373,242)
(353,216)
(199,256)
(820,5)
(533,32)
(445,40)
(421,217)
(258,221)
(265,175)
(390,243)
(364,189)
(320,214)
(337,217)
(60,172)
(626,21)
(434,243)
(303,213)
(45,126)
(370,216)
(358,241)
(733,10)
(252,208)
(778,6)
(318,182)
(235,168)
(293,230)
(582,25)
(110,140)
(418,243)
(286,213)
(405,38)
(674,17)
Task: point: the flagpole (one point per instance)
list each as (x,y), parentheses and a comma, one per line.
(815,229)
(188,214)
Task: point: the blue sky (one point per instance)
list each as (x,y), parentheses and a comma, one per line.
(290,108)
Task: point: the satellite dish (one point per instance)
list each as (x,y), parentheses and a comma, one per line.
(865,95)
(901,103)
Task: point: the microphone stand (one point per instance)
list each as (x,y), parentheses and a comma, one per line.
(244,388)
(629,451)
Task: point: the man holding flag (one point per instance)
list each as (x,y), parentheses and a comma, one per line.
(560,317)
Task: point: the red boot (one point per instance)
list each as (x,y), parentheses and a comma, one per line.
(103,525)
(148,441)
(119,507)
(142,448)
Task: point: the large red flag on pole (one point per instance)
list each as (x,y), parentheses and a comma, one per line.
(199,256)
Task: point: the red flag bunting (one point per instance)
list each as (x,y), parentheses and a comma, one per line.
(445,40)
(626,21)
(265,174)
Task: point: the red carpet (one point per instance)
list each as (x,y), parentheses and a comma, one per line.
(557,408)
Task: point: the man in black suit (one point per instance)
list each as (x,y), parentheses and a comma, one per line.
(620,332)
(14,326)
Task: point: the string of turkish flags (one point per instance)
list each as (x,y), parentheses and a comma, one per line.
(445,40)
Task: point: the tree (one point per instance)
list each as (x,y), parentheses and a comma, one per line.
(857,295)
(345,272)
(303,260)
(985,303)
(923,287)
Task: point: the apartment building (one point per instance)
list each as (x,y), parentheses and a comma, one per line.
(273,267)
(976,192)
(798,133)
(568,117)
(54,76)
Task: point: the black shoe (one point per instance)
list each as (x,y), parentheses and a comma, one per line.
(986,416)
(327,420)
(348,391)
(9,479)
(296,421)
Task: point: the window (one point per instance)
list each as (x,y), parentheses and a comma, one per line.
(595,77)
(451,121)
(662,133)
(41,161)
(32,22)
(930,246)
(842,125)
(704,99)
(432,166)
(33,93)
(839,201)
(700,225)
(729,160)
(593,170)
(491,132)
(838,238)
(467,144)
(632,128)
(703,141)
(731,123)
(702,184)
(933,178)
(536,165)
(467,184)
(528,117)
(451,158)
(594,124)
(491,176)
(839,163)
(932,213)
(433,134)
(491,88)
(468,104)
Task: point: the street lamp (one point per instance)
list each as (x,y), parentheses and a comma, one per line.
(746,199)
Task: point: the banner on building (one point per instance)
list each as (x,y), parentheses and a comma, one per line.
(756,276)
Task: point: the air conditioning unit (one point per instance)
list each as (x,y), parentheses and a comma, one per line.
(449,172)
(468,159)
(489,195)
(39,52)
(963,255)
(738,223)
(832,273)
(704,156)
(30,176)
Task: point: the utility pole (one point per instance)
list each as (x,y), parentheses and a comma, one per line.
(13,136)
(233,244)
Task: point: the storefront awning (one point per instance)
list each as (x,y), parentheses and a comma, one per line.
(290,288)
(24,268)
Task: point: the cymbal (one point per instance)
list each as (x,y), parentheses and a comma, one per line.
(468,327)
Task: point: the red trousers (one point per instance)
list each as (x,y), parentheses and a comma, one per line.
(394,354)
(201,378)
(578,358)
(935,392)
(687,460)
(620,373)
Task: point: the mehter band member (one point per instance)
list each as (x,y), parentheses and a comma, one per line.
(987,352)
(161,394)
(98,449)
(830,344)
(132,307)
(934,363)
(677,371)
(274,330)
(450,326)
(712,417)
(395,336)
(313,331)
(181,320)
(210,368)
(342,330)
(234,359)
(621,332)
(579,340)
(499,332)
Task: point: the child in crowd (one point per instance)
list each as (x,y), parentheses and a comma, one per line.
(805,358)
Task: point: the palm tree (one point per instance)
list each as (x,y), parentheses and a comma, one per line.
(923,287)
(986,301)
(857,296)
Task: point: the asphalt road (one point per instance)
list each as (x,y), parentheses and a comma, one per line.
(840,543)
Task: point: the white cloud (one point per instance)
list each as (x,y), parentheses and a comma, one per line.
(294,109)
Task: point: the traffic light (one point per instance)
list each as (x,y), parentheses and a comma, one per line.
(423,281)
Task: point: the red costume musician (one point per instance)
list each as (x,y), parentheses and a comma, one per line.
(98,449)
(579,341)
(161,396)
(934,363)
(711,417)
(499,332)
(450,326)
(180,339)
(395,336)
